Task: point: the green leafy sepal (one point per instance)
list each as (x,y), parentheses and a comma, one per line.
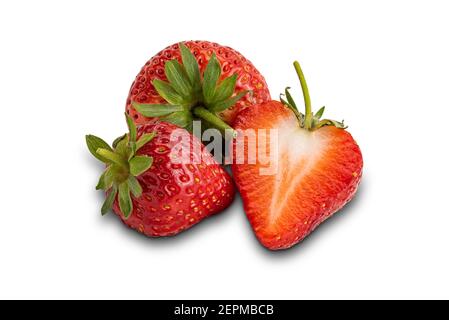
(186,89)
(123,166)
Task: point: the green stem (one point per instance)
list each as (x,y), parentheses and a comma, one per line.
(211,118)
(305,91)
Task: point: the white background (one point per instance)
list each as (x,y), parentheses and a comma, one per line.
(65,71)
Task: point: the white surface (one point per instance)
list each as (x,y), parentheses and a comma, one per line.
(65,70)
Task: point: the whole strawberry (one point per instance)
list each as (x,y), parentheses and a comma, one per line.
(160,179)
(196,80)
(314,169)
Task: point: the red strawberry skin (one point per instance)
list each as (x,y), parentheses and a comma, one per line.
(176,196)
(318,173)
(231,61)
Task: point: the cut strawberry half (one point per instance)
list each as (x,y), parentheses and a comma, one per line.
(314,169)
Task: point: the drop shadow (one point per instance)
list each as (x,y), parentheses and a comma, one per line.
(198,230)
(205,225)
(214,221)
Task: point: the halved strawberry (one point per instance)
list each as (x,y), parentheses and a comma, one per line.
(315,169)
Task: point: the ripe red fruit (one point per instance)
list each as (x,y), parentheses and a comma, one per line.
(196,80)
(158,183)
(318,169)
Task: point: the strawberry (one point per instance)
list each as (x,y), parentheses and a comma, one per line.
(195,80)
(318,167)
(160,179)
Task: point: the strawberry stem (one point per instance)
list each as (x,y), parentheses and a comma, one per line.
(308,121)
(305,91)
(211,118)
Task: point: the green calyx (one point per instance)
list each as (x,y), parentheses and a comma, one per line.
(123,165)
(308,120)
(187,90)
